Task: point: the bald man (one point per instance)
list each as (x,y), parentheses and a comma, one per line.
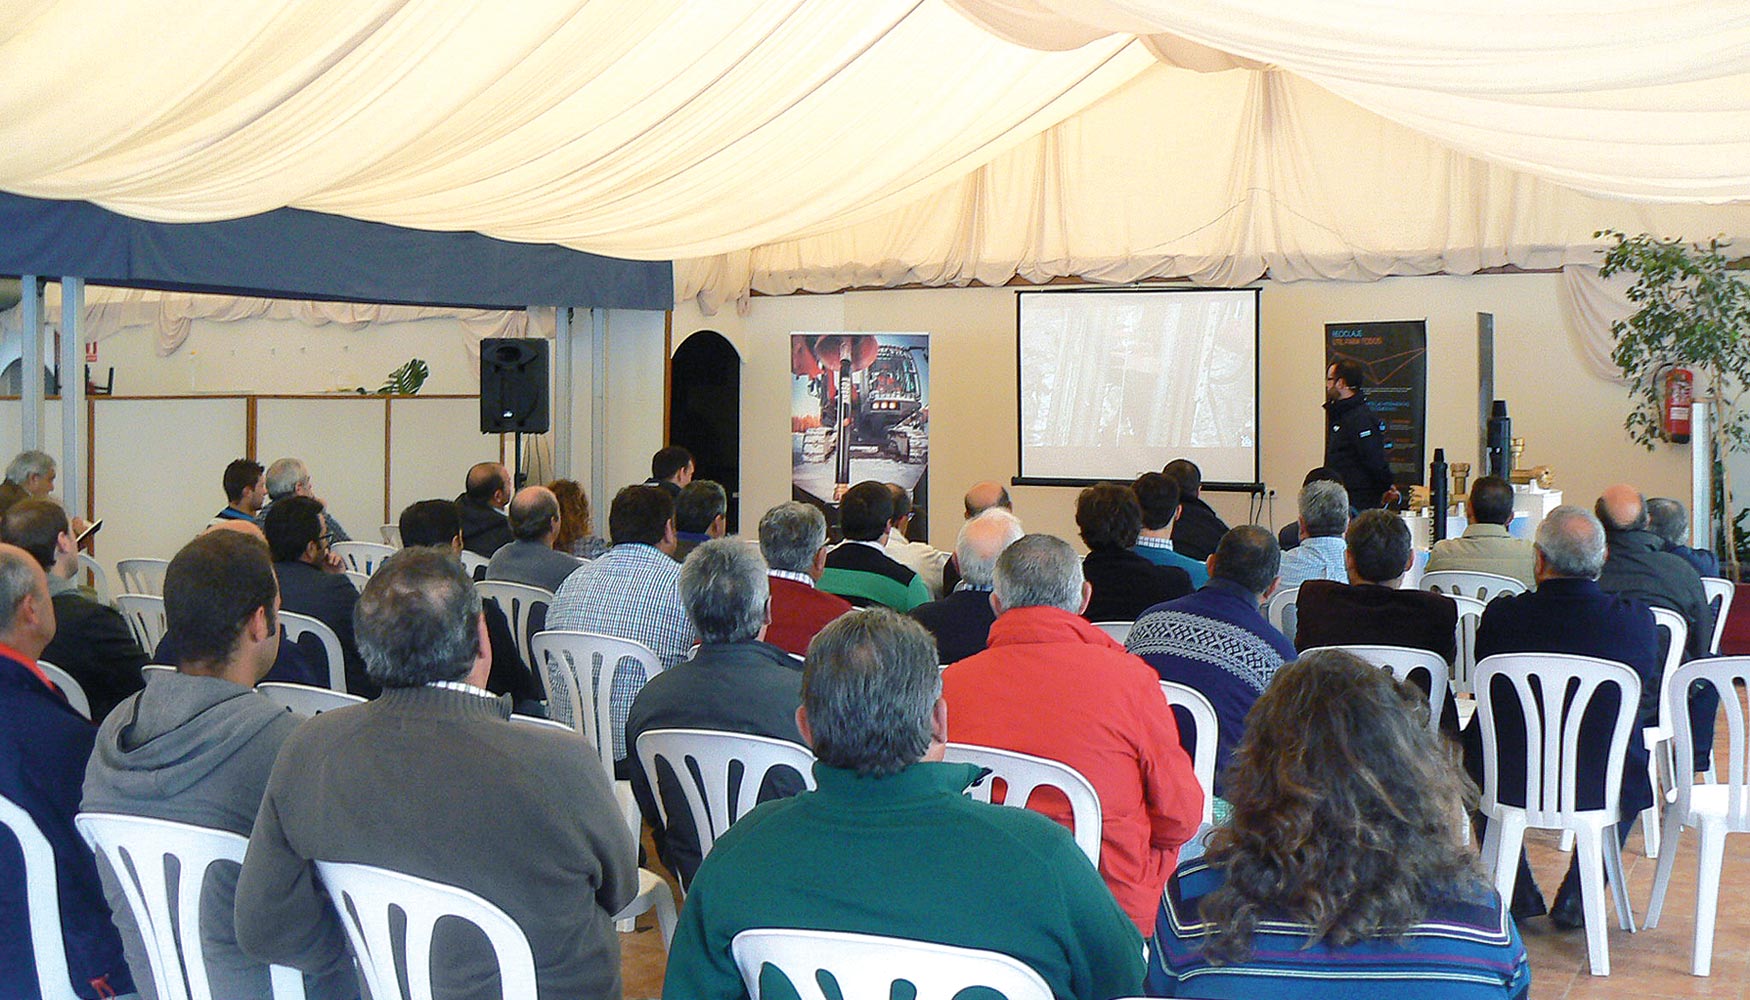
(530,557)
(961,620)
(484,526)
(983,496)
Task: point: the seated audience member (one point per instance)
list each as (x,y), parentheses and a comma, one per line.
(437,523)
(1669,520)
(981,497)
(196,746)
(1159,497)
(961,621)
(882,847)
(1216,640)
(1054,686)
(632,592)
(291,477)
(1570,613)
(484,526)
(530,557)
(31,476)
(1199,529)
(313,580)
(1485,546)
(1289,536)
(433,780)
(859,568)
(1125,584)
(92,640)
(793,542)
(1337,881)
(1321,552)
(920,557)
(44,746)
(245,485)
(701,512)
(671,469)
(734,682)
(1372,609)
(576,528)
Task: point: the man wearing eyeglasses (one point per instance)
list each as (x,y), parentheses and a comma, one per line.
(312,579)
(1355,446)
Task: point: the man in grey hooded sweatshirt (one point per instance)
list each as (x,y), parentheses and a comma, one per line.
(197,745)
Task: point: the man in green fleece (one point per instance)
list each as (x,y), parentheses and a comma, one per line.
(196,746)
(889,845)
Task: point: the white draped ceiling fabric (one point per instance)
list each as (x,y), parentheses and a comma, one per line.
(777,145)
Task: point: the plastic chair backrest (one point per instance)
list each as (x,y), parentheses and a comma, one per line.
(1470,615)
(720,773)
(1719,593)
(391,534)
(139,851)
(1117,630)
(1405,663)
(1724,674)
(1484,587)
(474,564)
(1277,609)
(304,699)
(1022,773)
(362,557)
(297,626)
(366,899)
(1204,732)
(41,902)
(1676,630)
(579,699)
(866,965)
(520,604)
(145,615)
(358,580)
(99,579)
(142,576)
(70,688)
(1565,685)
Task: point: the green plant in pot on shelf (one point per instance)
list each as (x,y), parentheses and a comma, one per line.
(1693,310)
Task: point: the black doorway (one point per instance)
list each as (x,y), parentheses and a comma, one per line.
(705,411)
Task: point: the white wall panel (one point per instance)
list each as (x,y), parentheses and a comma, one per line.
(341,440)
(160,463)
(432,444)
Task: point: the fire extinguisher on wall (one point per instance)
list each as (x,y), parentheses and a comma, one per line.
(1679,393)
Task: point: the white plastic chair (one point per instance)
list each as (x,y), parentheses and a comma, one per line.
(1405,663)
(297,626)
(304,699)
(866,966)
(1552,733)
(1484,587)
(1204,724)
(366,898)
(703,760)
(1714,809)
(99,579)
(1721,590)
(1022,773)
(519,602)
(1117,630)
(145,615)
(42,903)
(391,534)
(1661,763)
(358,580)
(139,851)
(70,688)
(474,564)
(362,557)
(142,576)
(584,705)
(1280,606)
(1470,615)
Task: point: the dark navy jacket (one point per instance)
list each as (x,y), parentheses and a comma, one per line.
(960,622)
(1355,449)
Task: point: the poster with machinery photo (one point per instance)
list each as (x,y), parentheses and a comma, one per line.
(859,410)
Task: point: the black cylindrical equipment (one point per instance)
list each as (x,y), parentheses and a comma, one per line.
(1500,440)
(1437,491)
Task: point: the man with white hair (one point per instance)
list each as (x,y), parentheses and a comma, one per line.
(961,620)
(289,477)
(793,542)
(29,476)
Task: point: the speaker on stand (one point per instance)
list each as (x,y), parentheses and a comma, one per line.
(513,390)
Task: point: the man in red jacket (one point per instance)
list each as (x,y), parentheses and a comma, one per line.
(793,541)
(1052,685)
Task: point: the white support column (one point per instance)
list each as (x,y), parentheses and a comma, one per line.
(1701,493)
(30,364)
(560,407)
(72,369)
(598,420)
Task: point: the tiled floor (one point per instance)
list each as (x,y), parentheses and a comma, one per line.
(1647,965)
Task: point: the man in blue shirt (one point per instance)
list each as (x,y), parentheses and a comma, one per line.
(1159,496)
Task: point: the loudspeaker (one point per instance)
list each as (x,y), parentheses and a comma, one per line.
(513,386)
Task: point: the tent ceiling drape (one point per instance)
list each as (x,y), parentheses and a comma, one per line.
(782,144)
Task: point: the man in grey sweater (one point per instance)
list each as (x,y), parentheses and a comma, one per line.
(196,746)
(432,779)
(531,558)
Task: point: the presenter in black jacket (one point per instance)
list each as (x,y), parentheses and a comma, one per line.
(1354,440)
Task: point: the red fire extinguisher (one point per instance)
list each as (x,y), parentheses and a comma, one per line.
(1679,392)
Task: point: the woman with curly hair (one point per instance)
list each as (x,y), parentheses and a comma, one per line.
(1343,871)
(576,534)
